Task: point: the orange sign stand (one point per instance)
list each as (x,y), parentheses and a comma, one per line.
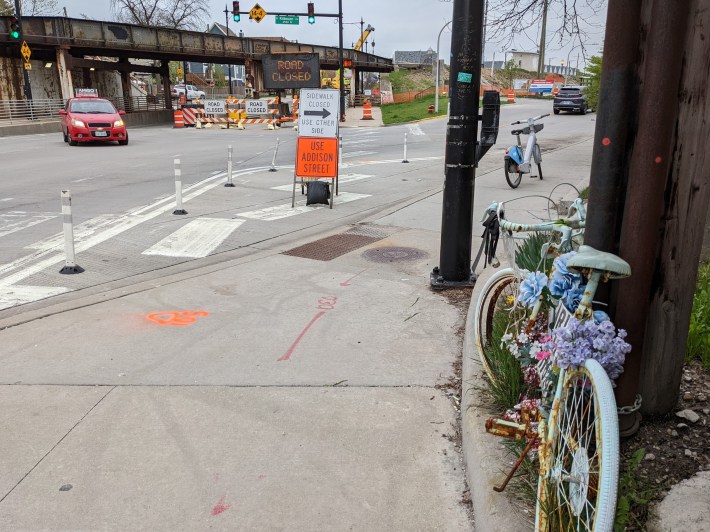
(316,158)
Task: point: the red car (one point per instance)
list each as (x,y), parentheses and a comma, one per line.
(91,119)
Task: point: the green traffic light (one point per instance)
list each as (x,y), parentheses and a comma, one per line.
(15,34)
(311,20)
(237,18)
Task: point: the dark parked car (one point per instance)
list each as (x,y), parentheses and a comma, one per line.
(571,98)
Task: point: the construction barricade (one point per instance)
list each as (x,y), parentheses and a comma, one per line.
(367,111)
(178,120)
(511,96)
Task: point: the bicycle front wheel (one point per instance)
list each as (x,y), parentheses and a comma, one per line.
(579,468)
(496,307)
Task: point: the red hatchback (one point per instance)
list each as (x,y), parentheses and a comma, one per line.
(92,119)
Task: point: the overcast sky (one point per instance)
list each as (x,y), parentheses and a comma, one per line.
(399,25)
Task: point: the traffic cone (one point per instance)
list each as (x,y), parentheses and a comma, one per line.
(367,111)
(511,96)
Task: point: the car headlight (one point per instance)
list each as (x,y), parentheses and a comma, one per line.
(118,123)
(77,123)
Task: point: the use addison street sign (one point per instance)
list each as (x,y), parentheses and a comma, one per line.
(317,146)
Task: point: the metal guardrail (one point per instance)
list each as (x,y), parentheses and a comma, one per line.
(21,111)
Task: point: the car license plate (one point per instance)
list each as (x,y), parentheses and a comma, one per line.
(567,102)
(101,133)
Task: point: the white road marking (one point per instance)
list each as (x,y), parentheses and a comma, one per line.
(344,178)
(196,239)
(414,129)
(357,142)
(270,214)
(357,154)
(14,221)
(82,179)
(21,294)
(29,265)
(7,199)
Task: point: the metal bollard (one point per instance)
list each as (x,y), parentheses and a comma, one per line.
(340,151)
(178,189)
(273,160)
(70,266)
(229,168)
(405,149)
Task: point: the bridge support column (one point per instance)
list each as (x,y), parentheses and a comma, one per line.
(165,78)
(63,68)
(126,86)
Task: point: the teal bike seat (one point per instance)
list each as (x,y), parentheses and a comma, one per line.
(588,258)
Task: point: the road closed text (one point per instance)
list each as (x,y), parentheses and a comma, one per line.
(317,157)
(291,71)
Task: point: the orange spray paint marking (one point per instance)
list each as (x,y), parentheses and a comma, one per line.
(221,506)
(606,141)
(177,319)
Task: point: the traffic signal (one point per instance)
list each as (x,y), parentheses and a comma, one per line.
(235,11)
(311,13)
(14,28)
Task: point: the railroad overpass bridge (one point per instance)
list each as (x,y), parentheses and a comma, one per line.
(81,50)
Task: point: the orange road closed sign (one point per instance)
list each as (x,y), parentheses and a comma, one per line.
(317,157)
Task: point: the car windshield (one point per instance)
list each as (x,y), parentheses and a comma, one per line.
(94,107)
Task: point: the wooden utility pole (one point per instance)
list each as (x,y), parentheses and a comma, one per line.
(686,205)
(543,31)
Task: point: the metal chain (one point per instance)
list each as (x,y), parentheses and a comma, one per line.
(630,409)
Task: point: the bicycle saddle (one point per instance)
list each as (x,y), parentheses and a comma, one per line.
(588,258)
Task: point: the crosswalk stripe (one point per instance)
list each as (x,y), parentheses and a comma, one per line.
(14,221)
(196,239)
(11,296)
(344,178)
(277,212)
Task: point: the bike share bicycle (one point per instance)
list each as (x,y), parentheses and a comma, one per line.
(516,162)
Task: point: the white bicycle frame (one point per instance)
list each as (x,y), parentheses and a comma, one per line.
(532,140)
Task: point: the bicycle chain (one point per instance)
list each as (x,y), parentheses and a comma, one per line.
(625,410)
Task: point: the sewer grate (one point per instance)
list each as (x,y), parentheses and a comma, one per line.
(394,254)
(332,247)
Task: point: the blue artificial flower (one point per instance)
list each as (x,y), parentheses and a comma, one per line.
(573,297)
(559,284)
(600,316)
(531,288)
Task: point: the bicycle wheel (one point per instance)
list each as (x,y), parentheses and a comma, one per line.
(579,458)
(496,307)
(537,155)
(512,176)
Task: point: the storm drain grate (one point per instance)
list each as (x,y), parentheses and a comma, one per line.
(331,247)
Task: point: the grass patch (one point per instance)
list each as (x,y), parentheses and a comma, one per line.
(633,493)
(505,390)
(698,346)
(584,194)
(397,113)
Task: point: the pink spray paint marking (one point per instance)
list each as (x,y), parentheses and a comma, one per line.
(221,506)
(291,349)
(606,141)
(658,160)
(347,283)
(325,303)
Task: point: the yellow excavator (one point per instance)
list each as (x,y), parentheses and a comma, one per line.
(334,82)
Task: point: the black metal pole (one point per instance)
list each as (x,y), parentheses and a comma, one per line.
(340,60)
(226,19)
(461,141)
(26,74)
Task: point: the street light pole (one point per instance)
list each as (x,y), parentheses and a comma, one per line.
(226,20)
(436,92)
(340,60)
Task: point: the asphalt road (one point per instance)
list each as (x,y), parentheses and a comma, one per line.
(123,196)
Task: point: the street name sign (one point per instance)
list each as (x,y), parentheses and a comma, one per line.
(287,19)
(257,13)
(319,110)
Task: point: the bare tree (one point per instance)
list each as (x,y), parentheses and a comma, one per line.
(30,8)
(181,14)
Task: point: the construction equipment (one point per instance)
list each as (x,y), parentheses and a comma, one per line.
(365,34)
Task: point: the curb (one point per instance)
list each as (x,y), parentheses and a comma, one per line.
(483,453)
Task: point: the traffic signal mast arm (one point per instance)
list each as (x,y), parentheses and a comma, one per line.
(287,13)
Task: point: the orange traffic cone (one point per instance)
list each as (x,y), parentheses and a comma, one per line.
(511,96)
(178,119)
(367,111)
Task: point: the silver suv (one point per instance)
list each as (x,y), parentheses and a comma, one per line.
(571,98)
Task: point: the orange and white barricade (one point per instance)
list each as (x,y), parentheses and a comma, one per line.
(511,96)
(178,120)
(367,111)
(189,115)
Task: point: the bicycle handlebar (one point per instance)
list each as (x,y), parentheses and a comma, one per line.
(533,119)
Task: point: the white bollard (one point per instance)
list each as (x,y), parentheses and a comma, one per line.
(405,149)
(229,168)
(340,151)
(70,265)
(273,160)
(178,189)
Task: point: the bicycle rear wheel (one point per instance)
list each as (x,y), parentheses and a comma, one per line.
(512,175)
(496,307)
(580,455)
